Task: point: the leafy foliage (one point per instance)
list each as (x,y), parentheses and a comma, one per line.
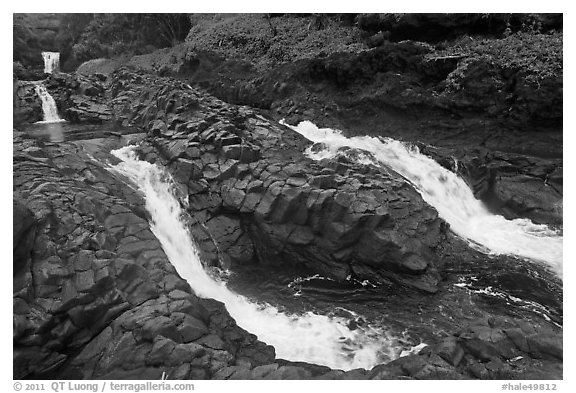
(536,56)
(27,42)
(266,40)
(108,35)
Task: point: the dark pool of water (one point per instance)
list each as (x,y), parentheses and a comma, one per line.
(408,314)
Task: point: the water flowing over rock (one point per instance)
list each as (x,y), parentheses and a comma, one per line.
(176,217)
(250,184)
(95,296)
(51,62)
(323,340)
(447,192)
(81,99)
(49,109)
(95,293)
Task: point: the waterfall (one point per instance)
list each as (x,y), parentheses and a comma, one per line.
(449,194)
(49,109)
(307,337)
(51,61)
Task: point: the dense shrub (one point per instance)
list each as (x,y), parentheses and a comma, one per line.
(109,35)
(535,56)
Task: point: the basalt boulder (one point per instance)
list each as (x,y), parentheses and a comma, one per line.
(248,178)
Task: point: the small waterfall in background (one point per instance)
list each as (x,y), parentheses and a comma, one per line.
(51,62)
(449,194)
(308,337)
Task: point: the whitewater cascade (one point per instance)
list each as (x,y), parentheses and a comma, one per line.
(449,194)
(49,108)
(51,61)
(308,337)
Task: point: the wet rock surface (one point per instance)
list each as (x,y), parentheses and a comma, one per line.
(80,99)
(249,183)
(514,185)
(27,107)
(94,294)
(96,297)
(409,91)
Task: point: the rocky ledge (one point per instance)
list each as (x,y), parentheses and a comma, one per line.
(79,98)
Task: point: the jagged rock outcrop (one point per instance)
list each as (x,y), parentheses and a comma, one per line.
(80,99)
(249,183)
(514,185)
(94,294)
(96,297)
(26,105)
(493,348)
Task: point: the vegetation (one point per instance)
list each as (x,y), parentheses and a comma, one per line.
(109,35)
(536,56)
(27,41)
(267,40)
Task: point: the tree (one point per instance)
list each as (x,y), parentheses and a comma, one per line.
(172,28)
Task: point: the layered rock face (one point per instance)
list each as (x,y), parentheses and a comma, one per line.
(262,201)
(81,99)
(26,105)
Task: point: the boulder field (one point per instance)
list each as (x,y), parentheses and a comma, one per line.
(96,297)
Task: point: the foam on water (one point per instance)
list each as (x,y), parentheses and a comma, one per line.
(308,337)
(49,108)
(447,192)
(51,61)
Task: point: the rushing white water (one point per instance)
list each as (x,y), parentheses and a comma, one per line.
(49,108)
(308,337)
(51,61)
(449,194)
